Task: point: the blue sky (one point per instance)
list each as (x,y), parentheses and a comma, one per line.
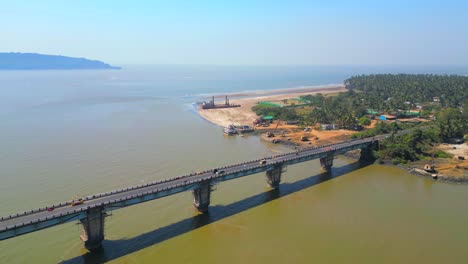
(240,32)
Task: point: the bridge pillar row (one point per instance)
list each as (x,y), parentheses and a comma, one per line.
(274,176)
(202,196)
(327,162)
(93,228)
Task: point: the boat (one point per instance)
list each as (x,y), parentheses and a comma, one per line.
(230,130)
(245,129)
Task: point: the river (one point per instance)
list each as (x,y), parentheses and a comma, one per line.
(67,133)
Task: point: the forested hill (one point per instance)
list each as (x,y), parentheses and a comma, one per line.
(33,61)
(451,90)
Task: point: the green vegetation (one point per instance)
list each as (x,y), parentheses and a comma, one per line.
(441,154)
(270,104)
(281,113)
(364,121)
(452,124)
(409,147)
(442,98)
(343,110)
(417,145)
(389,93)
(382,128)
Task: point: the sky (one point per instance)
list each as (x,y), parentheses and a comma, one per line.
(240,32)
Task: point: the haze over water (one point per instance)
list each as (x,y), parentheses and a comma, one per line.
(67,133)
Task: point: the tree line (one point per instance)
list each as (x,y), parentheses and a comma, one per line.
(389,92)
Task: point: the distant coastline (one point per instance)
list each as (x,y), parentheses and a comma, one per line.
(34,61)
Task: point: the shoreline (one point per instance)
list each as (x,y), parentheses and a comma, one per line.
(440,177)
(281,91)
(244,114)
(413,170)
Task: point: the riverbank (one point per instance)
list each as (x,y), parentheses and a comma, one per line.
(438,177)
(245,115)
(451,169)
(457,173)
(293,135)
(289,134)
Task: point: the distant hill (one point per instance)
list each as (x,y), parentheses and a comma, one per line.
(34,61)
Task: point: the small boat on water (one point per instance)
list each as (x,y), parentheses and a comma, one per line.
(245,129)
(230,130)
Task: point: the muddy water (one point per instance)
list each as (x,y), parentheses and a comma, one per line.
(87,140)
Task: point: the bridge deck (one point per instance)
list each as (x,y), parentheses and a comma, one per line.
(33,220)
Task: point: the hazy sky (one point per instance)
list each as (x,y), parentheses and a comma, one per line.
(240,31)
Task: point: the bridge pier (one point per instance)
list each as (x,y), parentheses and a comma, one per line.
(367,153)
(327,162)
(93,228)
(274,176)
(201,197)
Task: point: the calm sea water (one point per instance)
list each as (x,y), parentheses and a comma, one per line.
(67,133)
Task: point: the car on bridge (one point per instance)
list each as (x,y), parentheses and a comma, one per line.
(263,162)
(219,172)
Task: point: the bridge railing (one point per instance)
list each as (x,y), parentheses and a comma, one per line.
(84,208)
(43,219)
(90,197)
(36,210)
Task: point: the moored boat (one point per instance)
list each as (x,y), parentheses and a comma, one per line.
(230,130)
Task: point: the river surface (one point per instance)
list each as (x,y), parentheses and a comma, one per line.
(67,133)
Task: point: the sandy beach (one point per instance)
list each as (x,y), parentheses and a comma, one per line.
(244,114)
(284,133)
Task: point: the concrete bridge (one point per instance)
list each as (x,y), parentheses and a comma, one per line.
(92,212)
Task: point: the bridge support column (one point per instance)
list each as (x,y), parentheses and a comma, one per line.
(274,176)
(367,153)
(93,228)
(327,162)
(201,197)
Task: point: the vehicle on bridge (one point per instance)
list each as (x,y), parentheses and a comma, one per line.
(77,202)
(92,214)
